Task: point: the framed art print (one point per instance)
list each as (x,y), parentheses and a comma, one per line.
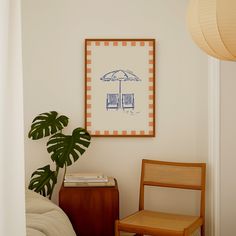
(120,87)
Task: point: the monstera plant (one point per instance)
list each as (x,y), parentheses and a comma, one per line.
(64,149)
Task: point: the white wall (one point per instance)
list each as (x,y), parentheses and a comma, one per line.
(228,149)
(53,41)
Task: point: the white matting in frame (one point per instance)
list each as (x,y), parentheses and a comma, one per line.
(120,87)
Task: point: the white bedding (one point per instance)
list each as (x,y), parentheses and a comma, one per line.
(44,218)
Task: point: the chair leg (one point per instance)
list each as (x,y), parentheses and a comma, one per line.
(203,230)
(117,232)
(186,233)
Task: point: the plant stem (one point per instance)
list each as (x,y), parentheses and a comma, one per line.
(64,172)
(54,184)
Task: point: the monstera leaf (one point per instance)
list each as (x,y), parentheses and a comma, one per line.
(47,124)
(66,149)
(43,181)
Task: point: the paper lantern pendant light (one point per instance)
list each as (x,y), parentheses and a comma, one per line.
(212,24)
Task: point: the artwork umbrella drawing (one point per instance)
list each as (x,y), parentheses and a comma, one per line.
(120,87)
(119,100)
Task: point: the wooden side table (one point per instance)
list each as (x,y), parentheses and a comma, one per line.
(91,210)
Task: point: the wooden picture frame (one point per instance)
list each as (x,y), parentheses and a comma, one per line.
(120,87)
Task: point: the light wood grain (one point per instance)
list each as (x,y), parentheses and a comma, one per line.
(172,222)
(167,174)
(176,175)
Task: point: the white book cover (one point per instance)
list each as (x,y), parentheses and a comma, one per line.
(90,180)
(109,183)
(85,177)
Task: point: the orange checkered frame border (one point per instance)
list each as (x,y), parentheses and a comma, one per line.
(151,88)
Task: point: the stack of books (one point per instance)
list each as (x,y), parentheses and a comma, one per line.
(88,180)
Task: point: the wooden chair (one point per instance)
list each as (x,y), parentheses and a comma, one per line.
(171,175)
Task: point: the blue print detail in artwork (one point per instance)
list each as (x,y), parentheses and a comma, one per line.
(118,100)
(128,100)
(112,101)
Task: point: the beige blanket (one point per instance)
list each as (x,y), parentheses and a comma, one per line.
(44,218)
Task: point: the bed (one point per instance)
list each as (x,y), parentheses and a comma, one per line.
(44,218)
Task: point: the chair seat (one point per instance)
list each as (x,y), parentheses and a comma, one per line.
(159,223)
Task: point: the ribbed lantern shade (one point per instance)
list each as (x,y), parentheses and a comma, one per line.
(212,24)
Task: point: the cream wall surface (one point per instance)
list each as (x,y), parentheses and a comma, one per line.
(228,149)
(53,53)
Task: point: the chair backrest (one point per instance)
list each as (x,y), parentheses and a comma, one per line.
(128,100)
(173,175)
(113,98)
